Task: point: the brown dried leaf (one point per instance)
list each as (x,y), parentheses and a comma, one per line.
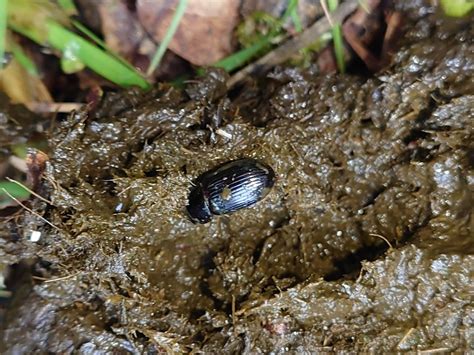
(121,29)
(205,32)
(22,87)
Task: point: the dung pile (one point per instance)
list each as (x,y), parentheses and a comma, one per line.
(376,169)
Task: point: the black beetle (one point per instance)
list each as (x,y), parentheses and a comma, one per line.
(229,187)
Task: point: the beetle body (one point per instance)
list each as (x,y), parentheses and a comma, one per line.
(229,187)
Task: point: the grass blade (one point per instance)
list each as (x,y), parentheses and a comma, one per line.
(337,39)
(3,29)
(93,57)
(45,23)
(296,20)
(68,6)
(181,8)
(93,37)
(457,8)
(292,4)
(23,59)
(292,11)
(239,58)
(13,189)
(339,48)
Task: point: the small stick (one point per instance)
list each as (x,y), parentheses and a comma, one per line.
(233,315)
(326,12)
(49,107)
(361,274)
(433,351)
(30,210)
(381,237)
(56,279)
(287,49)
(405,337)
(125,190)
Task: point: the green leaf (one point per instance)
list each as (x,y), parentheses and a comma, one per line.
(339,48)
(68,6)
(70,62)
(20,149)
(44,22)
(31,16)
(239,58)
(296,20)
(292,5)
(292,11)
(13,189)
(337,39)
(255,43)
(93,37)
(457,8)
(23,58)
(93,57)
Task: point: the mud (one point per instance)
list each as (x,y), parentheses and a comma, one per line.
(17,126)
(363,244)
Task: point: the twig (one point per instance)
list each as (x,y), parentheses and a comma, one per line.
(30,210)
(233,315)
(405,337)
(125,190)
(56,279)
(382,237)
(433,351)
(48,107)
(175,21)
(326,12)
(287,49)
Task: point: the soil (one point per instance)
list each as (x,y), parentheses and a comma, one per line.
(363,244)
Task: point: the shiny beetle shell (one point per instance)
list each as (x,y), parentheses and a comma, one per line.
(229,187)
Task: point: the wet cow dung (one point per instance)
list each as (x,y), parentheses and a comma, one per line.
(364,242)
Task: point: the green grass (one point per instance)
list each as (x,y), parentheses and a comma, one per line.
(296,20)
(168,36)
(93,37)
(23,59)
(95,58)
(13,189)
(292,11)
(68,6)
(239,58)
(47,24)
(457,8)
(337,39)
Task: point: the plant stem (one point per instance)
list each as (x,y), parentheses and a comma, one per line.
(168,36)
